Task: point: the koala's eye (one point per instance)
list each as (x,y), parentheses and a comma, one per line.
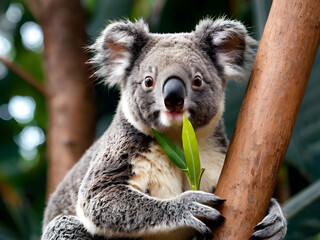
(197,81)
(148,81)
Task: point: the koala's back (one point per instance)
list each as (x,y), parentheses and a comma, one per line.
(116,147)
(64,199)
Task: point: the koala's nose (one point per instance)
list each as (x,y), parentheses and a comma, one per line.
(174,93)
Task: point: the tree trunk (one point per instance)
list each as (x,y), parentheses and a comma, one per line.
(267,116)
(69,88)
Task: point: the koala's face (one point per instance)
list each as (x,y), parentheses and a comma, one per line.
(174,77)
(163,76)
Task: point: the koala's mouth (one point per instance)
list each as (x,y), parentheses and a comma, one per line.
(175,116)
(171,118)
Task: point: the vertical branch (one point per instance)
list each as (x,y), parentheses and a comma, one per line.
(68,84)
(268,113)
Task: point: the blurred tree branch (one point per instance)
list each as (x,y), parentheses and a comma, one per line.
(35,7)
(68,85)
(27,77)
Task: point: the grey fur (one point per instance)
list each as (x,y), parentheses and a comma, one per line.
(131,37)
(114,191)
(66,226)
(274,225)
(234,63)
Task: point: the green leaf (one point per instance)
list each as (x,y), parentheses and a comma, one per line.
(191,151)
(173,151)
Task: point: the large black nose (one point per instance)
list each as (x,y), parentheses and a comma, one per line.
(174,93)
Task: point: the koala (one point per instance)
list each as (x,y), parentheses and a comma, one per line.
(124,186)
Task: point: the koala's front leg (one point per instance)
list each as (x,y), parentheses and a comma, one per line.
(66,227)
(273,226)
(122,211)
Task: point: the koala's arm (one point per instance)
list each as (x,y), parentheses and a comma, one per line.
(115,209)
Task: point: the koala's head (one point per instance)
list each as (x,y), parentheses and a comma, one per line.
(162,76)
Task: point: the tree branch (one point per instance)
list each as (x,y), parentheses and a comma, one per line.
(269,110)
(24,75)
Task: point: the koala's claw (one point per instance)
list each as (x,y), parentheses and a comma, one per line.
(269,232)
(273,226)
(203,211)
(194,204)
(202,197)
(201,228)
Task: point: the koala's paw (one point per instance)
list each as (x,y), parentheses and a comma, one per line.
(273,226)
(194,205)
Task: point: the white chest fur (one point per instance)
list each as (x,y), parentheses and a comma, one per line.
(156,175)
(212,161)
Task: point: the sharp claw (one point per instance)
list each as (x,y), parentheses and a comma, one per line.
(208,235)
(221,219)
(219,201)
(259,226)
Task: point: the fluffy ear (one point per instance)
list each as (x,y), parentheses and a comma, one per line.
(229,46)
(117,48)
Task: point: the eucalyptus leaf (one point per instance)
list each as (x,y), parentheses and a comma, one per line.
(175,154)
(191,151)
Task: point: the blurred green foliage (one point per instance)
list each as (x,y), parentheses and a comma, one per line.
(23,171)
